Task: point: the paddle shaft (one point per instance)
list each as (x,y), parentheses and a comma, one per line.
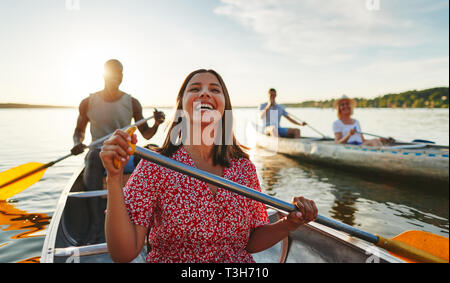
(368,134)
(299,120)
(381,137)
(245,191)
(210,178)
(45,166)
(137,124)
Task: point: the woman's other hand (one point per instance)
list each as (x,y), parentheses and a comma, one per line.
(306,212)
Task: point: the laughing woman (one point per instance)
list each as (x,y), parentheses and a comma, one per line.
(192,221)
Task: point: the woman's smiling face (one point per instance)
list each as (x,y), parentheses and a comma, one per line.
(345,108)
(204,99)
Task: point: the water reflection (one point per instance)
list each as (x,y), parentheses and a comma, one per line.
(419,204)
(274,172)
(374,204)
(18,220)
(344,208)
(36,259)
(270,176)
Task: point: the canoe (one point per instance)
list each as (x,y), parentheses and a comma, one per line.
(312,243)
(68,229)
(412,162)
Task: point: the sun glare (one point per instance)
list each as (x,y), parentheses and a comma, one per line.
(83,74)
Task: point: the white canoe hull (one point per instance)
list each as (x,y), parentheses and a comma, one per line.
(413,162)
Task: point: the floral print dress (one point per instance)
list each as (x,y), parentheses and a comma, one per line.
(188,222)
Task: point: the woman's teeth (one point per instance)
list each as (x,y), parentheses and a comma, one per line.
(204,106)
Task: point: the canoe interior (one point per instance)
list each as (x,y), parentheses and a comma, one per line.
(73,226)
(311,243)
(75,218)
(74,223)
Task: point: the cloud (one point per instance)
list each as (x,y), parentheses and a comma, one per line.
(324,32)
(389,75)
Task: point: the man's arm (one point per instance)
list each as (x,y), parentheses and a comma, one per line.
(263,112)
(295,122)
(80,129)
(339,138)
(145,130)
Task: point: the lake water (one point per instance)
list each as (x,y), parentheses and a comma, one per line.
(377,206)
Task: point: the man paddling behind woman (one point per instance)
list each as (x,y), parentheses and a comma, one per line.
(190,220)
(106,111)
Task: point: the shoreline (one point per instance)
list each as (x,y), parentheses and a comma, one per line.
(432,98)
(20,105)
(288,105)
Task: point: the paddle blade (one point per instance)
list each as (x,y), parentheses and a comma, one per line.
(425,241)
(21,184)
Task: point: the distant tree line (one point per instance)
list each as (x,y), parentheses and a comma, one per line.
(428,98)
(21,105)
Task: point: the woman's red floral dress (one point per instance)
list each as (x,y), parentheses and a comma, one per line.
(189,223)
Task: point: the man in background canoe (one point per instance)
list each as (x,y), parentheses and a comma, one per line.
(106,111)
(271,112)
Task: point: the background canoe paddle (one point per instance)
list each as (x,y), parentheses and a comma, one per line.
(415,142)
(19,178)
(308,125)
(416,246)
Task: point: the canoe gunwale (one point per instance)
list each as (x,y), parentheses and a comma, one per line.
(351,241)
(96,249)
(341,237)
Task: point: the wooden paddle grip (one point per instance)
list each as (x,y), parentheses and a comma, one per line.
(130,132)
(407,251)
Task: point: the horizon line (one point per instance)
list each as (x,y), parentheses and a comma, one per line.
(5,105)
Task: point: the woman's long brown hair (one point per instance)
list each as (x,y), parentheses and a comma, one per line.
(222,153)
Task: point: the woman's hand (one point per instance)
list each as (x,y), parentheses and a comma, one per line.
(389,140)
(306,212)
(116,147)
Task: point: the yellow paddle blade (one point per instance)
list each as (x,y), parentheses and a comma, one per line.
(425,241)
(22,184)
(417,246)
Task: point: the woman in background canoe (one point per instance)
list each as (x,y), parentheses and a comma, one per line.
(190,220)
(348,130)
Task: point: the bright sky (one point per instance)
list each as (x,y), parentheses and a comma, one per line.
(52,51)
